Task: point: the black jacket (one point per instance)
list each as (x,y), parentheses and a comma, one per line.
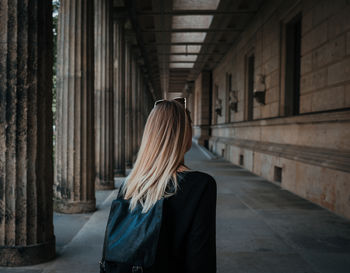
(187,242)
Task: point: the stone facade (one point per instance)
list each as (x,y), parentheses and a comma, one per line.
(266,145)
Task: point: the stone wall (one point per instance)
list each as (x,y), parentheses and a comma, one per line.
(312,148)
(325,58)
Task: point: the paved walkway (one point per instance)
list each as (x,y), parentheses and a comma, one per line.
(260,228)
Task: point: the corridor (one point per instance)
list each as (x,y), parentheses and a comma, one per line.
(267,86)
(260,228)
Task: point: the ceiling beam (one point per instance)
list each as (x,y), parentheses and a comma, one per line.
(194,54)
(186,43)
(192,30)
(195,12)
(188,62)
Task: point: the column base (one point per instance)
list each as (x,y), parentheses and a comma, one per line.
(67,206)
(101,185)
(28,255)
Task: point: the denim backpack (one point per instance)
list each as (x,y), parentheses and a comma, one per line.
(131,237)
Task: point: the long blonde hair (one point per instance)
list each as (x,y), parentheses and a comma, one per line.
(162,148)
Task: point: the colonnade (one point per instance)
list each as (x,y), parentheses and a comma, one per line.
(103,101)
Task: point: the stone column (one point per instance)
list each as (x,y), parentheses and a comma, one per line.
(139,107)
(119,97)
(134,107)
(128,105)
(75,148)
(201,117)
(26,165)
(103,95)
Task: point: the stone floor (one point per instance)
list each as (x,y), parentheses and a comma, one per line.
(260,228)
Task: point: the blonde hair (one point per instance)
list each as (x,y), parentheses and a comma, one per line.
(162,148)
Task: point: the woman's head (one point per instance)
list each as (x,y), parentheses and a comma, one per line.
(167,136)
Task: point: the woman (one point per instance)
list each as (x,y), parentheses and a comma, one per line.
(187,236)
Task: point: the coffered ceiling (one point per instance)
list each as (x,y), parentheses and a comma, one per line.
(180,38)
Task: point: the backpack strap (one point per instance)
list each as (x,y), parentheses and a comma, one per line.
(102,261)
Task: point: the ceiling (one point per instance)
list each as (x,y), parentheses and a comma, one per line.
(180,38)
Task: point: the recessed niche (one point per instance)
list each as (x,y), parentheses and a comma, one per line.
(241,160)
(277,177)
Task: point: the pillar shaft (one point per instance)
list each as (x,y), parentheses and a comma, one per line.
(128,106)
(134,108)
(75,155)
(26,166)
(103,95)
(139,107)
(119,98)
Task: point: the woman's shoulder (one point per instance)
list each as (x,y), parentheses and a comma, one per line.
(198,174)
(198,177)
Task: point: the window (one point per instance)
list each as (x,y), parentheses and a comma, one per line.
(277,174)
(292,66)
(216,104)
(241,160)
(228,89)
(250,62)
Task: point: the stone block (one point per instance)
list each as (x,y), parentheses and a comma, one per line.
(306,22)
(322,11)
(274,109)
(234,154)
(289,175)
(339,72)
(257,163)
(305,103)
(323,186)
(327,99)
(271,80)
(333,51)
(272,95)
(336,49)
(312,81)
(272,47)
(347,95)
(348,43)
(314,38)
(271,65)
(252,133)
(306,64)
(266,166)
(257,112)
(308,5)
(248,159)
(258,57)
(339,23)
(265,111)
